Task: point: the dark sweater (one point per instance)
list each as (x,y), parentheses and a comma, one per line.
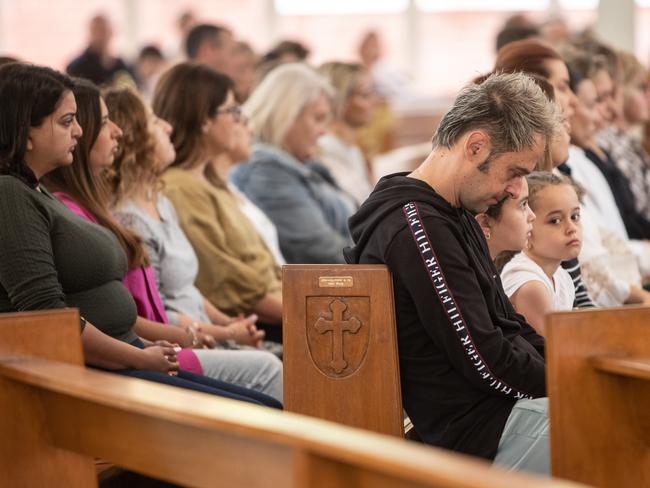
(465,355)
(50,258)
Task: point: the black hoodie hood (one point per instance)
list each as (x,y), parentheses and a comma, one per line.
(390,195)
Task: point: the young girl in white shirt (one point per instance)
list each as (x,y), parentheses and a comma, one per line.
(533,278)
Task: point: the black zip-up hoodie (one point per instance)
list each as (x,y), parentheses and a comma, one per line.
(465,355)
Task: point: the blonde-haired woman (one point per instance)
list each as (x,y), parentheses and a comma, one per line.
(289,111)
(353,107)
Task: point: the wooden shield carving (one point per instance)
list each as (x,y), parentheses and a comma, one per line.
(338,333)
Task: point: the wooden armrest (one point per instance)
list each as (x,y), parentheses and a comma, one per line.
(622,366)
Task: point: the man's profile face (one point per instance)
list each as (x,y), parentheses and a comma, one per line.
(493,179)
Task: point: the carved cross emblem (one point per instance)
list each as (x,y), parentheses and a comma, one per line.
(337,326)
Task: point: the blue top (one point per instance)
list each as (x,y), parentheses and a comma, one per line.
(309,210)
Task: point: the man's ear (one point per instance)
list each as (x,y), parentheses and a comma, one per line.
(477,146)
(484,221)
(30,143)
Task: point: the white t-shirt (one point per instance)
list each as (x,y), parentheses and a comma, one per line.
(261,222)
(521,269)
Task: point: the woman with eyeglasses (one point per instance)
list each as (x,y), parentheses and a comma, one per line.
(218,172)
(237,273)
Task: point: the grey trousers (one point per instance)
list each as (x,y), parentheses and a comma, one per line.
(524,444)
(258,370)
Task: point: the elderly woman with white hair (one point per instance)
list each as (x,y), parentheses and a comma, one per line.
(289,111)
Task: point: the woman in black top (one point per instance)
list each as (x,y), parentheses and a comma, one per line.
(50,258)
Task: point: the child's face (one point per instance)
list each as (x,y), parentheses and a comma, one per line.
(510,232)
(557,233)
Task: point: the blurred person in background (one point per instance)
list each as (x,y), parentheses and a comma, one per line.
(244,60)
(212,45)
(515,28)
(286,51)
(96,62)
(353,107)
(175,51)
(379,134)
(619,139)
(148,67)
(555,31)
(594,68)
(612,264)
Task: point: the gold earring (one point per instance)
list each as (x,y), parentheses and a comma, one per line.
(487,235)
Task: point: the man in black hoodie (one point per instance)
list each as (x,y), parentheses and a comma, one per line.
(466,357)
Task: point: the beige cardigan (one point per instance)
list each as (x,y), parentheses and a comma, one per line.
(236,268)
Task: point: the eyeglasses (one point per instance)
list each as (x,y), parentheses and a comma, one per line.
(235,111)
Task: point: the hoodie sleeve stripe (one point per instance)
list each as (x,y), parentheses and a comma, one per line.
(449,305)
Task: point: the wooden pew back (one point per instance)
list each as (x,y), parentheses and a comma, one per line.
(65,414)
(598,372)
(25,438)
(340,346)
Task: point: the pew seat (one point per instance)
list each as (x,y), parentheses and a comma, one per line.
(598,372)
(59,415)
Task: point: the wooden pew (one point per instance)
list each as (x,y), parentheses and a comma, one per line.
(340,346)
(58,416)
(598,374)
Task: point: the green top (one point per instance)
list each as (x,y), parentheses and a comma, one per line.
(51,258)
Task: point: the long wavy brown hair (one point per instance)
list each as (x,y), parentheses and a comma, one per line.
(135,163)
(78,181)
